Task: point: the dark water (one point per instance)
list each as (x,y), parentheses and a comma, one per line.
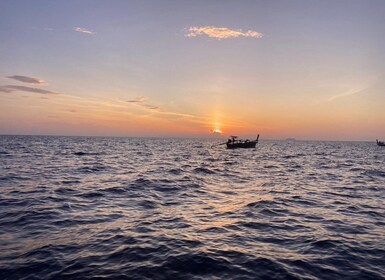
(121,208)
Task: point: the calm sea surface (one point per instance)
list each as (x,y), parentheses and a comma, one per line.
(132,208)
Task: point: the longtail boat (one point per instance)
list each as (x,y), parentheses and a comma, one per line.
(235,143)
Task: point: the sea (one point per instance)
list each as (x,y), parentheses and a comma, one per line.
(152,208)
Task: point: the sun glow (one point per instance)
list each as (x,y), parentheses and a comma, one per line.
(216,122)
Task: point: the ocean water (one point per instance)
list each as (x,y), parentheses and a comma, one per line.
(141,208)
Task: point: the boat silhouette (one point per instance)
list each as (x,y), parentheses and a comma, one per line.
(380,143)
(235,143)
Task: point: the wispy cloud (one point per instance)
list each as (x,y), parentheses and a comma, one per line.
(141,101)
(84,30)
(347,93)
(220,32)
(12,88)
(152,107)
(26,79)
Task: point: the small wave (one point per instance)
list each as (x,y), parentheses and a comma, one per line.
(325,244)
(374,214)
(202,170)
(260,203)
(65,191)
(190,186)
(94,194)
(374,172)
(34,218)
(148,204)
(290,156)
(163,185)
(230,162)
(70,182)
(13,202)
(270,167)
(167,188)
(91,169)
(302,201)
(295,167)
(271,212)
(172,222)
(13,177)
(255,225)
(176,171)
(356,169)
(195,264)
(115,190)
(142,182)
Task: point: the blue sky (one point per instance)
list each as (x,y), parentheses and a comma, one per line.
(315,70)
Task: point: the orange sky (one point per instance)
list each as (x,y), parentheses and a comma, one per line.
(185,69)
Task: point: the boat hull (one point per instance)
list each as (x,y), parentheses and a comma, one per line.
(243,145)
(380,143)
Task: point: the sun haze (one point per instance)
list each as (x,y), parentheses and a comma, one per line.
(302,69)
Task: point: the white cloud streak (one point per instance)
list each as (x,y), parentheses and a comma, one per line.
(84,30)
(220,32)
(346,94)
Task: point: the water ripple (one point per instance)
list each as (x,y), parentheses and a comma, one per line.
(143,208)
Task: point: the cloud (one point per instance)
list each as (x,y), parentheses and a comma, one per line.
(220,32)
(346,94)
(84,30)
(26,79)
(152,107)
(12,88)
(139,99)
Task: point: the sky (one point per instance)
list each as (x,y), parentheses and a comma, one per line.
(283,69)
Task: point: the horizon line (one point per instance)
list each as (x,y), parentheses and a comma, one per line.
(185,137)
